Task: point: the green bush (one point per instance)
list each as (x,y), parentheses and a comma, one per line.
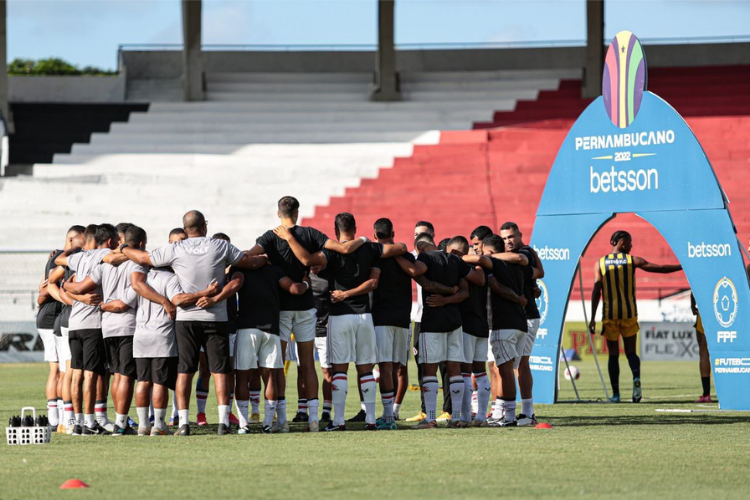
(52,66)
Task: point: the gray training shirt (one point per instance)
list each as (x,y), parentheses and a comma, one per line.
(197,262)
(83,317)
(114,282)
(154,331)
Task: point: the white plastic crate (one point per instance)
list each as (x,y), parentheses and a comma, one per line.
(27,435)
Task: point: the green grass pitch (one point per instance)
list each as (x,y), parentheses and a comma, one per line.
(602,450)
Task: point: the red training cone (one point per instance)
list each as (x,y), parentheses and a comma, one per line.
(73,483)
(543,425)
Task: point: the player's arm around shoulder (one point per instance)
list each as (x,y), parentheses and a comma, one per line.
(436,300)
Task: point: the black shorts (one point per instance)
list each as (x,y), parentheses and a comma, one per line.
(120,356)
(213,337)
(161,371)
(87,350)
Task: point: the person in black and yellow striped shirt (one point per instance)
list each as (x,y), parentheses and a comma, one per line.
(615,283)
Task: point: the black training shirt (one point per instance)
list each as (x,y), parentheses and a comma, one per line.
(346,272)
(392,299)
(322,298)
(448,270)
(281,255)
(474,310)
(45,317)
(507,315)
(259,299)
(532,312)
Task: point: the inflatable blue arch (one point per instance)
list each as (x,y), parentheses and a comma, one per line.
(631,152)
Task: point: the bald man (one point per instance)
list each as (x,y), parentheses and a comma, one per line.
(198,261)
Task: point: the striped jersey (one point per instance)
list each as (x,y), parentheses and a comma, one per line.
(618,285)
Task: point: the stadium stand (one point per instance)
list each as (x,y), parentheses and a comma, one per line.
(45,129)
(497,171)
(258,137)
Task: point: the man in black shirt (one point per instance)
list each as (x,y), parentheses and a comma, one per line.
(441,336)
(48,325)
(298,313)
(258,345)
(475,334)
(322,299)
(391,311)
(513,240)
(509,326)
(351,333)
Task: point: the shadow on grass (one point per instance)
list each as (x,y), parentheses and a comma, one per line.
(658,419)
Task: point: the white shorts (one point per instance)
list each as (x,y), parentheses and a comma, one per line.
(63,349)
(441,346)
(321,347)
(257,349)
(505,345)
(50,346)
(475,348)
(232,344)
(393,344)
(351,339)
(301,323)
(530,338)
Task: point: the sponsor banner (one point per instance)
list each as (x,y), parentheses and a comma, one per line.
(675,341)
(20,342)
(631,152)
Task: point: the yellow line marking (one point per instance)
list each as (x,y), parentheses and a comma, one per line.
(603,157)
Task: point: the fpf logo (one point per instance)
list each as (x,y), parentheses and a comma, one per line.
(542,302)
(725,302)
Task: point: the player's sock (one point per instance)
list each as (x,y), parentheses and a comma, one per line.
(223,414)
(327,405)
(456,386)
(474,401)
(362,405)
(527,407)
(396,410)
(509,408)
(121,420)
(101,411)
(387,399)
(497,409)
(151,410)
(484,391)
(430,390)
(706,381)
(340,390)
(613,367)
(160,414)
(69,415)
(302,406)
(269,411)
(280,410)
(369,394)
(312,409)
(175,414)
(231,401)
(60,411)
(79,418)
(183,416)
(466,401)
(635,364)
(201,396)
(52,414)
(242,407)
(89,419)
(143,421)
(255,401)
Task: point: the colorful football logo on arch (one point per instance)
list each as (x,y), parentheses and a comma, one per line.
(624,79)
(542,302)
(725,302)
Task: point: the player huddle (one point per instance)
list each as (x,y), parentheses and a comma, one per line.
(150,320)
